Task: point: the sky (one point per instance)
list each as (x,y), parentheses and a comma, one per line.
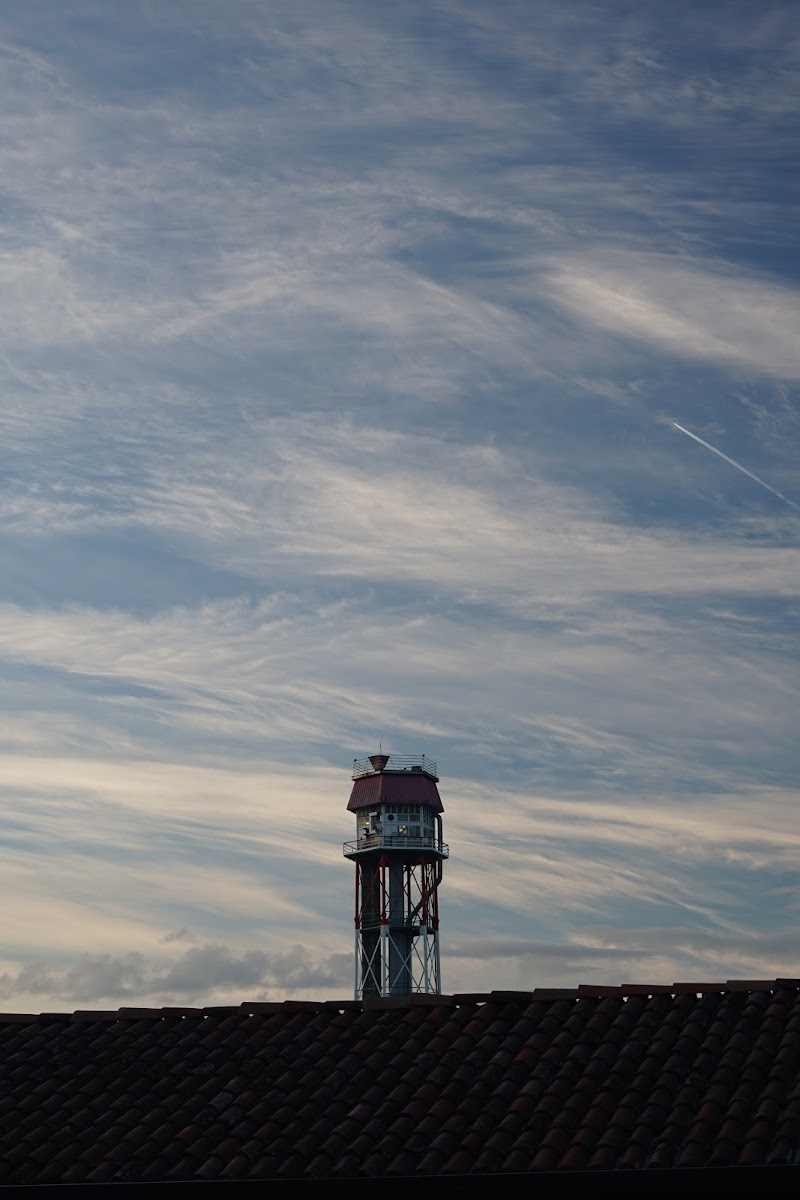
(421,375)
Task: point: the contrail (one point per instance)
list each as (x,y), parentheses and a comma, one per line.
(733,463)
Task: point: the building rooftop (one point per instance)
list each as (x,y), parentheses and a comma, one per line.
(638,1077)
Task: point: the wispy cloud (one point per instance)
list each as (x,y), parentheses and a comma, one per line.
(686,309)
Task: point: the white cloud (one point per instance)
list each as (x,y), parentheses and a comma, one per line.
(689,309)
(199,975)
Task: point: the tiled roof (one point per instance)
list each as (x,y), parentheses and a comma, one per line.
(687,1075)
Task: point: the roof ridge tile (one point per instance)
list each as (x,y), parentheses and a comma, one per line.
(600,990)
(83,1015)
(699,988)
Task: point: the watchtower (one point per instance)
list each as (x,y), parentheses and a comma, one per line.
(398,855)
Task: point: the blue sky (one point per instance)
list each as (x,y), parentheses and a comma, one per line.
(341,344)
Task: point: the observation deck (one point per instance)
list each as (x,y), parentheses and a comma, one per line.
(395,841)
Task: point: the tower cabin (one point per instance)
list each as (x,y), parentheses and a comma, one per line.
(398,855)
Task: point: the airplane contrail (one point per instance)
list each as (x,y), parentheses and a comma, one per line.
(734,463)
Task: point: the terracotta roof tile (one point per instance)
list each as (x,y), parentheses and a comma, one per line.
(546,1158)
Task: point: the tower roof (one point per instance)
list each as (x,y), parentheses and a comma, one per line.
(411,785)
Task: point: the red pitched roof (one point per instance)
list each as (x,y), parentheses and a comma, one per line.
(691,1075)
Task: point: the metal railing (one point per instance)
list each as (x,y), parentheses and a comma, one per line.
(394,841)
(395,762)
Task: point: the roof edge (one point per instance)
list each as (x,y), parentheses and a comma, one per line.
(584,991)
